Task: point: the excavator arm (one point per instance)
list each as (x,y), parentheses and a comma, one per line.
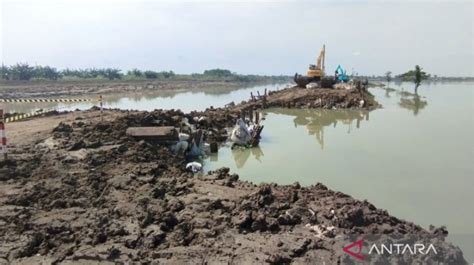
(317,71)
(321,59)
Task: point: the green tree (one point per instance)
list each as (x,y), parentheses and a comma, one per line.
(410,75)
(5,72)
(112,73)
(21,71)
(92,73)
(218,73)
(388,77)
(167,75)
(151,74)
(46,72)
(417,75)
(135,72)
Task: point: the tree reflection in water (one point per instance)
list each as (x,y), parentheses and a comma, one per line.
(412,102)
(408,100)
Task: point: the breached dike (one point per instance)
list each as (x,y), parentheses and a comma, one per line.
(320,98)
(86,191)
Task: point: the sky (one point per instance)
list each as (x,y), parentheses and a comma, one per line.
(258,37)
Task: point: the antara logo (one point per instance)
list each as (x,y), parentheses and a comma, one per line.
(402,249)
(355,249)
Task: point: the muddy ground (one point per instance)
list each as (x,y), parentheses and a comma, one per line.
(79,190)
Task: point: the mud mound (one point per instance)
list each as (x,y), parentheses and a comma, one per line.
(296,97)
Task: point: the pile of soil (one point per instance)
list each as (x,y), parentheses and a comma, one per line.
(88,192)
(322,98)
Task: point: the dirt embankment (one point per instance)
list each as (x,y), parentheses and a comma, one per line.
(83,191)
(296,97)
(293,97)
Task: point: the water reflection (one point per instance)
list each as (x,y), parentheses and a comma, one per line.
(184,99)
(316,120)
(408,100)
(413,103)
(388,90)
(241,156)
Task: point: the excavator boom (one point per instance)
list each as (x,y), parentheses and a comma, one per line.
(321,58)
(317,71)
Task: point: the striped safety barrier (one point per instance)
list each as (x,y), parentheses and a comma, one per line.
(42,100)
(26,115)
(3,137)
(36,113)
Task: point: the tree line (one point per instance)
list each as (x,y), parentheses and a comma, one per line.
(23,71)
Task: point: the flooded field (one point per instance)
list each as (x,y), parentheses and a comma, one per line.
(187,100)
(412,157)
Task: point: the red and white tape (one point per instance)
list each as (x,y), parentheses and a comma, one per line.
(3,137)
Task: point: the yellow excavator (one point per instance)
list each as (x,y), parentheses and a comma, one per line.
(315,72)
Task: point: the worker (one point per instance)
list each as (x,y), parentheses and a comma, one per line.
(336,75)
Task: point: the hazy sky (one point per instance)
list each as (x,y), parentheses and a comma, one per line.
(246,37)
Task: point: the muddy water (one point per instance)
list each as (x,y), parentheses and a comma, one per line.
(414,157)
(172,99)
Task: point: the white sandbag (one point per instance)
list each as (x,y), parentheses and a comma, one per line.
(194,166)
(240,133)
(183,136)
